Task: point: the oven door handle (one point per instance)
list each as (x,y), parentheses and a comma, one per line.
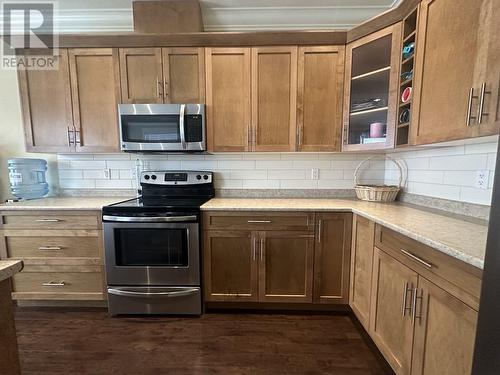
(149,219)
(129,293)
(182,128)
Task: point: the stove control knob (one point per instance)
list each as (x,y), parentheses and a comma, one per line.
(146,177)
(205,177)
(153,177)
(198,177)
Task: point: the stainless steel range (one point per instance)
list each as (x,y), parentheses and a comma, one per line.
(152,245)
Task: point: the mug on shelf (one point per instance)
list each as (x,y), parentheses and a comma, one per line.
(406,95)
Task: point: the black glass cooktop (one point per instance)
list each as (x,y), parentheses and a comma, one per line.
(156,204)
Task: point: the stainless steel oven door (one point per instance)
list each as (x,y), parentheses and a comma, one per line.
(145,253)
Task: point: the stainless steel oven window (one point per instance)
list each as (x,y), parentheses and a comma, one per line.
(126,268)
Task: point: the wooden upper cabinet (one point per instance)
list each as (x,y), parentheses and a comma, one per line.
(184,75)
(230,266)
(286,266)
(449,70)
(363,238)
(331,257)
(319,98)
(391,325)
(46,104)
(371,90)
(228,99)
(489,86)
(95,92)
(274,93)
(445,330)
(141,75)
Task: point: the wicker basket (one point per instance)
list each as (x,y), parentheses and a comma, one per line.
(377,193)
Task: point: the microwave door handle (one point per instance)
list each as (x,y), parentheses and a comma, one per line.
(182,128)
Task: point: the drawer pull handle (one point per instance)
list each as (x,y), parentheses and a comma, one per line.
(259,221)
(48,248)
(54,283)
(417,259)
(47,220)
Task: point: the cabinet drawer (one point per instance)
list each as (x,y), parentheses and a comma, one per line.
(53,247)
(49,220)
(259,220)
(438,267)
(55,283)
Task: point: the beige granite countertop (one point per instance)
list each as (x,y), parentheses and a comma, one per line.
(8,268)
(62,203)
(462,239)
(458,238)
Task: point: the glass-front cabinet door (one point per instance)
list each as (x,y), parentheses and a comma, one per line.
(371,80)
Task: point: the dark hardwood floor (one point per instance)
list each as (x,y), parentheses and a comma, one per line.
(88,341)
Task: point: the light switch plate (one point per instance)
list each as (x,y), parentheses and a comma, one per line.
(482,178)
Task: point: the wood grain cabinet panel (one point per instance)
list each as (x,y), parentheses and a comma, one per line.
(391,325)
(363,237)
(141,75)
(228,99)
(319,98)
(286,266)
(230,266)
(46,103)
(274,94)
(449,60)
(184,75)
(331,257)
(95,88)
(53,247)
(445,330)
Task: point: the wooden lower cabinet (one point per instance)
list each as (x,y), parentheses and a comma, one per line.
(420,328)
(363,238)
(286,266)
(445,331)
(391,325)
(62,252)
(332,257)
(230,266)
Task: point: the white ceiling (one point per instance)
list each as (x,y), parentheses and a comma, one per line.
(77,16)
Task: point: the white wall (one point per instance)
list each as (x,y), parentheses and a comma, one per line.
(11,133)
(447,172)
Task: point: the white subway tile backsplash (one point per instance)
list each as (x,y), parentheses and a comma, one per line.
(459,162)
(261,184)
(70,173)
(473,195)
(444,172)
(236,164)
(113,184)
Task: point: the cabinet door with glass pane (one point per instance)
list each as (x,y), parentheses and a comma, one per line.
(371,80)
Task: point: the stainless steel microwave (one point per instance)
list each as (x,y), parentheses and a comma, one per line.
(162,127)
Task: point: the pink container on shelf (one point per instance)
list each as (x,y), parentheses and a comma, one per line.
(377,130)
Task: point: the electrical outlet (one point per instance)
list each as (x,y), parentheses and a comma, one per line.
(315,174)
(482,178)
(107,174)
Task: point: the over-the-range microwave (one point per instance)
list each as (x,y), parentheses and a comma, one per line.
(162,127)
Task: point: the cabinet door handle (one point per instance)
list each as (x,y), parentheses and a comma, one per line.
(47,220)
(417,259)
(469,107)
(404,308)
(262,243)
(320,222)
(254,250)
(77,137)
(416,297)
(165,87)
(54,283)
(49,248)
(70,136)
(480,113)
(299,136)
(159,94)
(258,221)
